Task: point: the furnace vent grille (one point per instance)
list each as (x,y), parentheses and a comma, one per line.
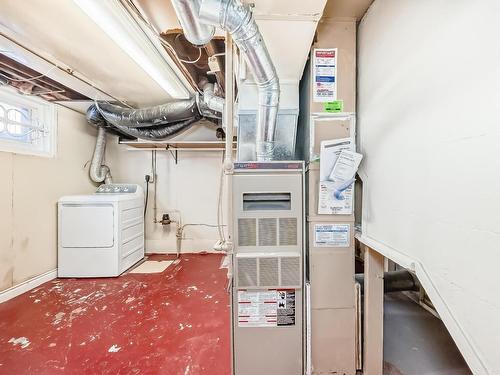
(288,231)
(247,232)
(271,231)
(247,272)
(268,272)
(290,271)
(267,232)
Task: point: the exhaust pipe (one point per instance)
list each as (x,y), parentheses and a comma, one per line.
(98,171)
(187,13)
(237,19)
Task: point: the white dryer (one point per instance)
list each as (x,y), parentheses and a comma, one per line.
(102,234)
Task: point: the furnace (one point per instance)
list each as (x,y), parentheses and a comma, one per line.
(268,286)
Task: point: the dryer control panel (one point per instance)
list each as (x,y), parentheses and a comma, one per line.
(117,189)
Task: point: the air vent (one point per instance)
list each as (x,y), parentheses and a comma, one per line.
(290,271)
(268,272)
(247,232)
(288,231)
(267,232)
(247,272)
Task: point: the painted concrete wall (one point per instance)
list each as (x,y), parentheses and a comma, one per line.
(29,189)
(191,187)
(429,84)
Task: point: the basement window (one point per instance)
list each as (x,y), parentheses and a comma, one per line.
(27,124)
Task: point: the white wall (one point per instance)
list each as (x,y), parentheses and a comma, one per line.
(429,126)
(29,189)
(191,186)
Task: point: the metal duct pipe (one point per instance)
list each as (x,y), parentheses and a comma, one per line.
(98,171)
(212,101)
(394,281)
(163,114)
(187,13)
(237,19)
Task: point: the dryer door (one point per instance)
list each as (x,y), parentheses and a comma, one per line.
(86,225)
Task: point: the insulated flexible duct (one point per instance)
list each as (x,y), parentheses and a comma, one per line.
(237,19)
(157,132)
(163,114)
(187,12)
(98,171)
(212,101)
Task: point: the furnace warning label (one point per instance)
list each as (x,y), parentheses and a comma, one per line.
(286,308)
(266,308)
(325,75)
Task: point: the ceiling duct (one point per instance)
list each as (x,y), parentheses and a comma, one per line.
(237,19)
(196,32)
(174,111)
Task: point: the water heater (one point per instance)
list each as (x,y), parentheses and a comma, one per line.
(267,290)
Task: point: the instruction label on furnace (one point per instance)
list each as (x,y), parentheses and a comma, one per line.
(266,308)
(332,235)
(325,75)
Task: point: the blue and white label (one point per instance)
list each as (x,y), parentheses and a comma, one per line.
(332,235)
(325,75)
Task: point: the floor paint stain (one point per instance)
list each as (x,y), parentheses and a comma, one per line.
(114,349)
(23,342)
(58,318)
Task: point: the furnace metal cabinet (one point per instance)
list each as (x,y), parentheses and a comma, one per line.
(268,292)
(102,234)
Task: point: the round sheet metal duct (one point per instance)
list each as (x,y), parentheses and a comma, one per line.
(195,32)
(237,19)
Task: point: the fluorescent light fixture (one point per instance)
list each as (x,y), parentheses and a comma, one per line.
(119,25)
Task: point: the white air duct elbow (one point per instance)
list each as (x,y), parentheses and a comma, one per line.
(98,171)
(237,19)
(195,32)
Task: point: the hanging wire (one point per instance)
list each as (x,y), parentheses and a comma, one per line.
(194,61)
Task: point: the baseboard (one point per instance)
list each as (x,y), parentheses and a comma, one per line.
(27,285)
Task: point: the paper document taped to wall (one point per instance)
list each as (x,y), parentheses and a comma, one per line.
(335,197)
(345,167)
(329,153)
(331,205)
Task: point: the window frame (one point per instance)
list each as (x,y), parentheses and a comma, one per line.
(46,114)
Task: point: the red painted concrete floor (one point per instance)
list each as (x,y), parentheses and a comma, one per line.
(175,322)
